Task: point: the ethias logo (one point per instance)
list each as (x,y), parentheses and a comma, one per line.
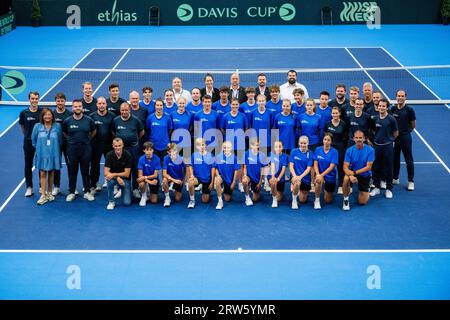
(116,15)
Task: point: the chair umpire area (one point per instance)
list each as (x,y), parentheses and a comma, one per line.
(326,15)
(153,16)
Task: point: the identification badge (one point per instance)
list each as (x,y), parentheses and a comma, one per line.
(48,142)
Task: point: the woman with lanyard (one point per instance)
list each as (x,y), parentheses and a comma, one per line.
(182,125)
(338,128)
(47,139)
(325,162)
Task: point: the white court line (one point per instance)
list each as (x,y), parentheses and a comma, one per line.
(10,126)
(115,66)
(239,251)
(415,130)
(420,81)
(232,48)
(13,193)
(7,92)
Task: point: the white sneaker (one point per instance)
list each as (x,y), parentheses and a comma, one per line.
(136,194)
(339,190)
(105,184)
(371,185)
(50,197)
(374,192)
(317,204)
(383,184)
(118,194)
(389,194)
(89,196)
(241,187)
(110,206)
(56,191)
(294,204)
(29,192)
(167,202)
(219,205)
(98,187)
(143,201)
(43,199)
(274,203)
(395,181)
(346,205)
(92,190)
(191,204)
(410,186)
(70,197)
(248,202)
(199,187)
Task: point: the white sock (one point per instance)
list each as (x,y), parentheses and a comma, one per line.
(247,196)
(346,198)
(192,197)
(167,194)
(274,197)
(219,198)
(294,197)
(318,199)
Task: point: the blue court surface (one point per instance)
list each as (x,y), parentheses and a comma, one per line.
(389,249)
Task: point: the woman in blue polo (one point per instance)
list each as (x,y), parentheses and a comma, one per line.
(309,123)
(325,163)
(285,123)
(159,126)
(278,163)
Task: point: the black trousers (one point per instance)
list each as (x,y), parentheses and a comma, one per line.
(134,151)
(29,152)
(403,144)
(340,147)
(79,156)
(57,175)
(383,165)
(98,149)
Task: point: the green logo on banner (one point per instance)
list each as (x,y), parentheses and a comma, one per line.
(185,12)
(14,82)
(287,12)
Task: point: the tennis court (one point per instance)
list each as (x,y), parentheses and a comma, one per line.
(239,253)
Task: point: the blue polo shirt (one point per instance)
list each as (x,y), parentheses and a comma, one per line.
(262,121)
(324,160)
(207,121)
(286,126)
(202,165)
(176,169)
(280,161)
(149,166)
(150,106)
(181,121)
(325,117)
(254,164)
(298,109)
(274,107)
(384,130)
(301,161)
(231,125)
(358,158)
(309,125)
(220,109)
(194,109)
(170,110)
(227,166)
(247,109)
(159,130)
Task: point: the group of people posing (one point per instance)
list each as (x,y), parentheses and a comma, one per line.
(255,138)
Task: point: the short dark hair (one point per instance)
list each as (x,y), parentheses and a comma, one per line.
(206,97)
(224,89)
(60,95)
(250,90)
(112,86)
(159,100)
(77,101)
(34,93)
(324,93)
(262,75)
(147,88)
(292,70)
(341,85)
(396,93)
(385,101)
(208,75)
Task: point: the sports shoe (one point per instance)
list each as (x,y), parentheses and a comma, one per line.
(118,194)
(50,197)
(98,187)
(56,191)
(395,181)
(346,205)
(383,185)
(339,190)
(167,202)
(294,204)
(191,204)
(92,190)
(219,205)
(274,203)
(317,204)
(137,194)
(43,199)
(29,192)
(88,196)
(374,192)
(110,205)
(199,187)
(410,186)
(241,187)
(248,202)
(389,194)
(105,184)
(143,201)
(70,197)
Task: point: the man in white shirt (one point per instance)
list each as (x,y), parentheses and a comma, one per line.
(178,90)
(287,88)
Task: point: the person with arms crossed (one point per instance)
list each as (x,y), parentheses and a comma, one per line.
(47,139)
(79,130)
(358,163)
(406,120)
(117,173)
(27,119)
(386,131)
(149,166)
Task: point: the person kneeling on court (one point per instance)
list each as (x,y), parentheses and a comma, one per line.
(148,167)
(278,163)
(227,168)
(200,171)
(325,163)
(117,173)
(357,168)
(300,164)
(252,177)
(174,171)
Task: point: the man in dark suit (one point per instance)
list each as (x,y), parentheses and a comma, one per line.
(236,91)
(209,88)
(262,86)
